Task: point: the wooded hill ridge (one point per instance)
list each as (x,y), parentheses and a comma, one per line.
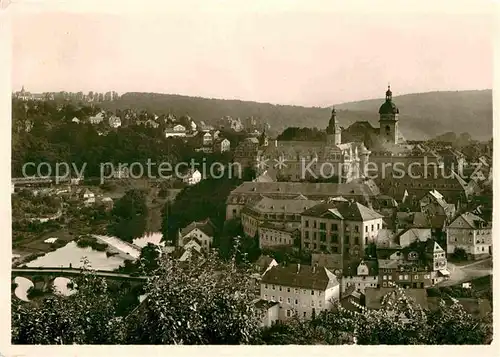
(422,115)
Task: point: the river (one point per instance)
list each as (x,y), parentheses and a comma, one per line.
(72,255)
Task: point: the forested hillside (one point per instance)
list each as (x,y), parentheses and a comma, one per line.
(422,115)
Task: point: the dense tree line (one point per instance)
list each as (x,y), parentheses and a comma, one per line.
(207,199)
(129,216)
(211,302)
(44,132)
(302,134)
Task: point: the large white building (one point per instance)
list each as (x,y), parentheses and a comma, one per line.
(340,227)
(470,233)
(300,290)
(203,232)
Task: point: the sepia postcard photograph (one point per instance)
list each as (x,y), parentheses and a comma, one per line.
(250,173)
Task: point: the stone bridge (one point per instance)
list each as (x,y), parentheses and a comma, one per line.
(43,278)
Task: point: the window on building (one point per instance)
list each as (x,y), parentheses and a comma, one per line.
(366,229)
(335,227)
(346,250)
(288,313)
(306,234)
(280,288)
(356,228)
(288,289)
(306,223)
(296,291)
(356,240)
(274,287)
(322,226)
(372,228)
(305,314)
(406,277)
(314,224)
(384,277)
(334,238)
(265,286)
(288,300)
(346,240)
(312,292)
(416,276)
(312,303)
(322,236)
(272,298)
(281,299)
(296,301)
(265,296)
(378,226)
(314,235)
(400,277)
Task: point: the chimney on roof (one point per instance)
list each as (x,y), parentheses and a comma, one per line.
(298,268)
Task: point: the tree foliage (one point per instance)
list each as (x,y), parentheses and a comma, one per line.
(129,216)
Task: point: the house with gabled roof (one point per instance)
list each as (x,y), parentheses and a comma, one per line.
(202,231)
(360,274)
(434,204)
(470,233)
(301,290)
(340,227)
(420,264)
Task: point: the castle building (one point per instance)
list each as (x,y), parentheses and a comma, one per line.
(296,160)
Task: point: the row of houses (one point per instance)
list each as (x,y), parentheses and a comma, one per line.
(307,215)
(303,291)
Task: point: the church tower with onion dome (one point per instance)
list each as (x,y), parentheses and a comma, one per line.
(389,119)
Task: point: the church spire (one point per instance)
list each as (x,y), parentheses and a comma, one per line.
(388,94)
(333,129)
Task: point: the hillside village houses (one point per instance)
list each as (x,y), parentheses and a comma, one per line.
(177,130)
(191,177)
(114,121)
(88,197)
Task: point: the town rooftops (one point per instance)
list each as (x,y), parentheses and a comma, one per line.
(474,222)
(300,276)
(252,140)
(354,188)
(351,268)
(350,211)
(292,206)
(205,226)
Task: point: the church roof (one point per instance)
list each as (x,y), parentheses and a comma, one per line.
(388,108)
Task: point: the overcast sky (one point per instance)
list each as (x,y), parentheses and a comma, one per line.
(317,54)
